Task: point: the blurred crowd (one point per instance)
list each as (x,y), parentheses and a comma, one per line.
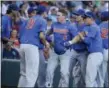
(11,48)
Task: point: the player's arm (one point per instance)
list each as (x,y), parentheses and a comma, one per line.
(75,36)
(48,33)
(76,39)
(43,39)
(89,35)
(47,46)
(42,36)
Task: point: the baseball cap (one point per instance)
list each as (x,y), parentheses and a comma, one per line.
(41,9)
(79,12)
(31,9)
(13,7)
(89,15)
(105,14)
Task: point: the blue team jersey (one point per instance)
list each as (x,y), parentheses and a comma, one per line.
(22,23)
(32,29)
(6,26)
(93,38)
(81,46)
(62,32)
(104,33)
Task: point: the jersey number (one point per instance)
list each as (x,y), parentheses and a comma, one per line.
(104,33)
(30,23)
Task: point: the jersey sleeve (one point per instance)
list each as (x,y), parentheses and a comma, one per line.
(43,26)
(4,27)
(91,33)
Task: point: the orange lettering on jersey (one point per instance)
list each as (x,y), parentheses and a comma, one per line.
(61,31)
(104,33)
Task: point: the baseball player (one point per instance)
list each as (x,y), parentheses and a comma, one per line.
(7,22)
(42,64)
(79,51)
(60,55)
(91,36)
(32,34)
(104,35)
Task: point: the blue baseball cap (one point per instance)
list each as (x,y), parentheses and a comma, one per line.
(31,9)
(89,15)
(13,7)
(80,12)
(105,14)
(41,9)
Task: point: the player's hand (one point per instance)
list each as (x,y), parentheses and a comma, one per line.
(46,53)
(67,44)
(47,45)
(82,35)
(51,45)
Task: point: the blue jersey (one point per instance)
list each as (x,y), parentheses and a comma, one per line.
(6,26)
(81,46)
(104,33)
(62,32)
(22,23)
(31,31)
(93,38)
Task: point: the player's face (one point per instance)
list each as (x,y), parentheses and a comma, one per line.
(78,18)
(73,19)
(32,14)
(87,20)
(60,17)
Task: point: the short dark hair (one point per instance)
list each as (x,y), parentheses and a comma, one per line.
(8,11)
(64,12)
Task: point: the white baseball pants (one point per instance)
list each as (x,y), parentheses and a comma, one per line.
(53,61)
(81,58)
(104,64)
(93,74)
(29,65)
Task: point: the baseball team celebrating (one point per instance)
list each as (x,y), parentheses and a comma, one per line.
(79,46)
